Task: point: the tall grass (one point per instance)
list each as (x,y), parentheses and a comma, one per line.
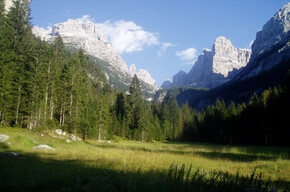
(136,166)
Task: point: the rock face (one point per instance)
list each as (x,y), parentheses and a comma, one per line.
(226,57)
(141,74)
(179,79)
(84,34)
(213,68)
(81,33)
(166,84)
(272,45)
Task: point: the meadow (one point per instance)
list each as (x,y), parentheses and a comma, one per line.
(135,166)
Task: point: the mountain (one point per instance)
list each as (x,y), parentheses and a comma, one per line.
(141,74)
(215,67)
(166,84)
(179,78)
(84,34)
(272,45)
(268,66)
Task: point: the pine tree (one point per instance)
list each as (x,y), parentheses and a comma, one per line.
(19,61)
(136,106)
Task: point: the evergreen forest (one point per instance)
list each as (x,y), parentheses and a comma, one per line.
(44,86)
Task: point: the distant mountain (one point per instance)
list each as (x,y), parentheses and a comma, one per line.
(268,66)
(166,84)
(214,68)
(84,34)
(141,74)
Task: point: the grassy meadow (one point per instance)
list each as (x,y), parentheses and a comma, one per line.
(134,166)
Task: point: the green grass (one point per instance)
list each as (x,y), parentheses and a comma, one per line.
(136,166)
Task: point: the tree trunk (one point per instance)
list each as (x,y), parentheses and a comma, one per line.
(18,105)
(46,91)
(51,105)
(100,129)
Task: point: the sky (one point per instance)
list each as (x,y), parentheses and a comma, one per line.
(163,36)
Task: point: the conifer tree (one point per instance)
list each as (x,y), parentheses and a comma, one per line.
(136,109)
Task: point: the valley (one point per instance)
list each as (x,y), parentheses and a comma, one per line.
(124,165)
(74,116)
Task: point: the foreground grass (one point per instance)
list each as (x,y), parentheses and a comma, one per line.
(135,166)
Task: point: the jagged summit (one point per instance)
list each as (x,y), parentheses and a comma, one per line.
(274,31)
(227,57)
(141,74)
(215,67)
(166,84)
(272,45)
(83,33)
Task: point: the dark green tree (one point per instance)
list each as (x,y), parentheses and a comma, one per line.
(136,108)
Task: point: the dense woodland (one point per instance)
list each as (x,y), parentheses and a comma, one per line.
(44,86)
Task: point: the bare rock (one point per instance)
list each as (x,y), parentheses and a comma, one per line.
(43,147)
(58,131)
(74,138)
(3,138)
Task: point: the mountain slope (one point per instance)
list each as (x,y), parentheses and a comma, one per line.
(272,45)
(268,66)
(84,34)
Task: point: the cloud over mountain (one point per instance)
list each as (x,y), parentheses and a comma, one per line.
(127,36)
(187,55)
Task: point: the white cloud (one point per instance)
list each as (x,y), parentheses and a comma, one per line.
(86,18)
(187,54)
(164,47)
(126,36)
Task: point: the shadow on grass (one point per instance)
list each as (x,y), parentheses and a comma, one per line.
(235,157)
(210,155)
(30,172)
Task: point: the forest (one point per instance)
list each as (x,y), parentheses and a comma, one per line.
(44,86)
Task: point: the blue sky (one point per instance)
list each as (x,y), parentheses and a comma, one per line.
(167,35)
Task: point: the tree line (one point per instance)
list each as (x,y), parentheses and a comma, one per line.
(45,86)
(263,121)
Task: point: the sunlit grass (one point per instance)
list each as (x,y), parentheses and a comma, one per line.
(136,157)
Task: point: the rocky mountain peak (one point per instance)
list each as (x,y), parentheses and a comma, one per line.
(214,68)
(166,84)
(227,57)
(272,45)
(274,31)
(141,74)
(83,33)
(80,33)
(179,78)
(132,70)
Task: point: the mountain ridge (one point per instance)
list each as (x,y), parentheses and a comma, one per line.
(79,33)
(214,67)
(268,66)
